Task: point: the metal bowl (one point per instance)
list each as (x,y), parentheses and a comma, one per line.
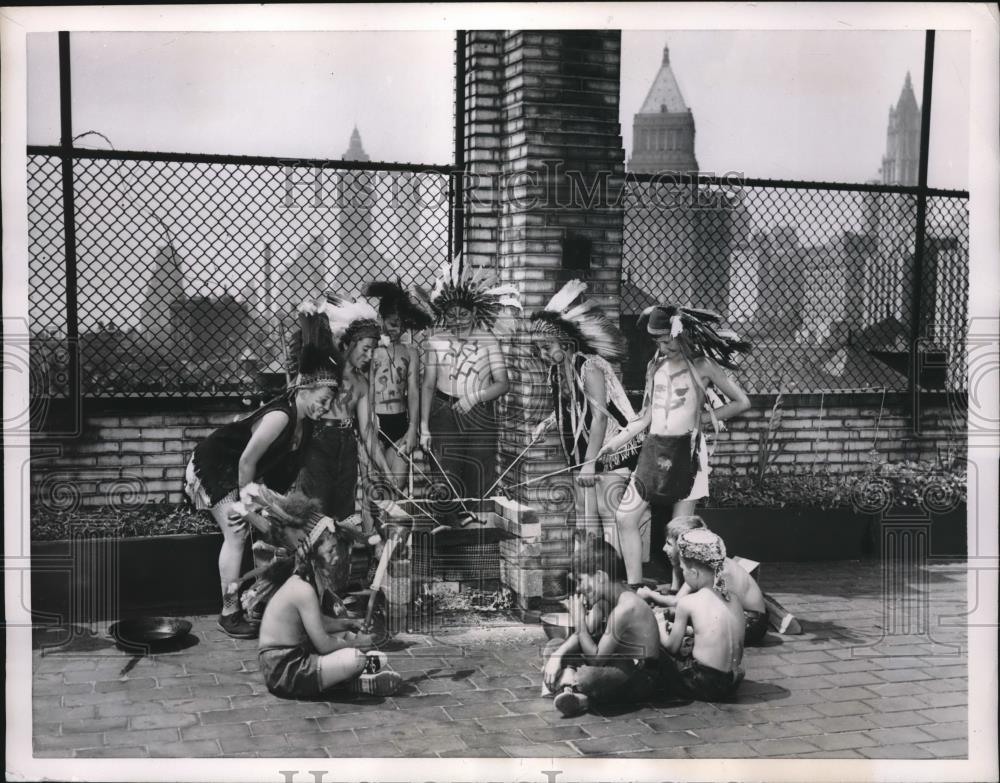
(150,631)
(556,625)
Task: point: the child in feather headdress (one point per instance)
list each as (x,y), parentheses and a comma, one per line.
(332,459)
(578,341)
(303,651)
(464,375)
(672,471)
(395,373)
(263,447)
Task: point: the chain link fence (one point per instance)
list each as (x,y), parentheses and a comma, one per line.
(189,272)
(818,277)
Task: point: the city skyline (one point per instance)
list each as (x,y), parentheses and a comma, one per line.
(780,105)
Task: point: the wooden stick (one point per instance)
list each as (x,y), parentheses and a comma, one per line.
(780,618)
(513,462)
(383,564)
(554,473)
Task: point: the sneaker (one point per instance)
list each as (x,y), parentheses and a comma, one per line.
(236,626)
(571,703)
(383,683)
(546,693)
(375,662)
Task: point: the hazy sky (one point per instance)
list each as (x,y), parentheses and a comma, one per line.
(791,105)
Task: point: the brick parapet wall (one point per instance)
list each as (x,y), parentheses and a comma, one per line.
(144,457)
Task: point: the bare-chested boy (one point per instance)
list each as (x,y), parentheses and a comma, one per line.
(711,669)
(302,652)
(620,665)
(740,584)
(395,376)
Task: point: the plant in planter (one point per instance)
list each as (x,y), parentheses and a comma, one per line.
(147,519)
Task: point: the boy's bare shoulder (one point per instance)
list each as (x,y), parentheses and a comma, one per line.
(299,589)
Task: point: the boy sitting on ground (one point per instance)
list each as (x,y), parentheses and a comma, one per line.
(712,668)
(303,653)
(739,582)
(622,663)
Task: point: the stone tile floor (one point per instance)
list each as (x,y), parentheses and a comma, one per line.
(868,678)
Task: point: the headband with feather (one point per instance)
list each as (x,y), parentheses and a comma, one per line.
(414,312)
(318,360)
(580,323)
(350,320)
(477,292)
(698,331)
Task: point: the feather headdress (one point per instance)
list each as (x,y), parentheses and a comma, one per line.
(581,323)
(414,312)
(318,360)
(477,292)
(350,320)
(697,330)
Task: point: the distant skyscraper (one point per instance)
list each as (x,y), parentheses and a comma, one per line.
(355,150)
(663,130)
(164,287)
(356,254)
(902,147)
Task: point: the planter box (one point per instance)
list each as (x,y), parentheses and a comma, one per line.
(90,579)
(804,535)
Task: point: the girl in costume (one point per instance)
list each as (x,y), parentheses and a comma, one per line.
(395,375)
(672,471)
(577,340)
(464,376)
(263,447)
(331,458)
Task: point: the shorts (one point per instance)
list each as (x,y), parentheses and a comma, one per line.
(756,626)
(623,680)
(393,426)
(291,672)
(653,476)
(197,493)
(690,678)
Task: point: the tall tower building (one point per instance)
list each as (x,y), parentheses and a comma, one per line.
(902,147)
(164,287)
(663,130)
(356,255)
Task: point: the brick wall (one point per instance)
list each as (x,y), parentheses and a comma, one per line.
(121,459)
(542,130)
(142,458)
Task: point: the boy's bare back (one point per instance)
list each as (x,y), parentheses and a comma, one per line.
(282,624)
(743,586)
(633,627)
(719,628)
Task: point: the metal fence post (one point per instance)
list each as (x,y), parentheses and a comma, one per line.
(74,391)
(916,302)
(457,188)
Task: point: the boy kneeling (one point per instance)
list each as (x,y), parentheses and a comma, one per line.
(711,669)
(622,663)
(303,653)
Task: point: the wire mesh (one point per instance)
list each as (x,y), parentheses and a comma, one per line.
(187,271)
(819,279)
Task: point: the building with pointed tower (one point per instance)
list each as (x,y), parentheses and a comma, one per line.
(901,161)
(680,243)
(164,288)
(663,130)
(355,256)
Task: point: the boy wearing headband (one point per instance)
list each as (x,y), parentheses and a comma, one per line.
(712,669)
(302,652)
(738,581)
